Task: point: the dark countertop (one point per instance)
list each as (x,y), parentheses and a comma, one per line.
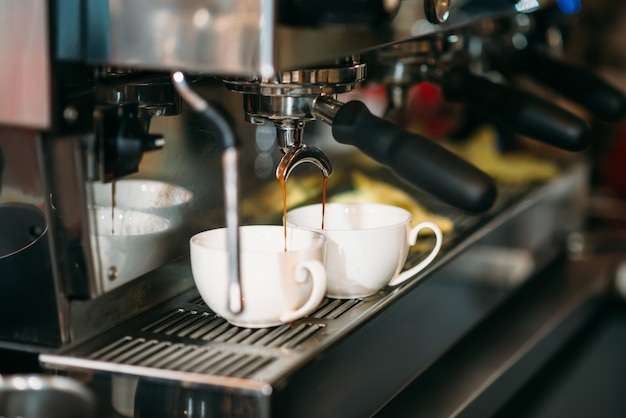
(585,379)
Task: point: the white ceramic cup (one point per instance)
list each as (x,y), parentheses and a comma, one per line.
(128,243)
(368,244)
(278,286)
(163,199)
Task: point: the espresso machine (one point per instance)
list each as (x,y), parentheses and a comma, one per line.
(107,102)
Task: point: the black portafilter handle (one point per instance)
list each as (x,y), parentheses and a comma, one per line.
(578,84)
(517,110)
(418,160)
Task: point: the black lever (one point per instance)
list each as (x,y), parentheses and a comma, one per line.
(519,111)
(418,160)
(579,84)
(123,140)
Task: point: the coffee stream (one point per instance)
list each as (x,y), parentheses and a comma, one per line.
(283,186)
(112,207)
(324,198)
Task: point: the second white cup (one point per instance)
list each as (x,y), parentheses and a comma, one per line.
(368,244)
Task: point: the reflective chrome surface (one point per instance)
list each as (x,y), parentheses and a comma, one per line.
(198,36)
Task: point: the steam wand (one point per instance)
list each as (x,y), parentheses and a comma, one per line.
(230,159)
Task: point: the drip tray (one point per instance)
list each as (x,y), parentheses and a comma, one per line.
(198,346)
(192,344)
(341,351)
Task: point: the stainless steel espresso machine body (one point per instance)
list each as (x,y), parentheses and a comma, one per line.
(129,125)
(88,88)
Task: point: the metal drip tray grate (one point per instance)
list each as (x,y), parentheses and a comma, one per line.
(181,357)
(199,346)
(199,323)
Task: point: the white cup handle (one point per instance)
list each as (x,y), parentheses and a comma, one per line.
(318,275)
(407,274)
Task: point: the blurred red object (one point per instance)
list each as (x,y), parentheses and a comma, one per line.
(430,114)
(613,168)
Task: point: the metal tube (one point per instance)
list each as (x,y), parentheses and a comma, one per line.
(230,167)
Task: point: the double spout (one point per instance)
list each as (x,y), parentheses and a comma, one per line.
(296,152)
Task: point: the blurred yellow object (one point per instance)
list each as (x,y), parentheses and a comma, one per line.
(510,167)
(370,190)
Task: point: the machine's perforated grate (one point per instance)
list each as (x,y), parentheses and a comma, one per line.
(196,322)
(182,357)
(194,339)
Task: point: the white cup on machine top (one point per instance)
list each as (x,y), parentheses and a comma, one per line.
(278,286)
(368,245)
